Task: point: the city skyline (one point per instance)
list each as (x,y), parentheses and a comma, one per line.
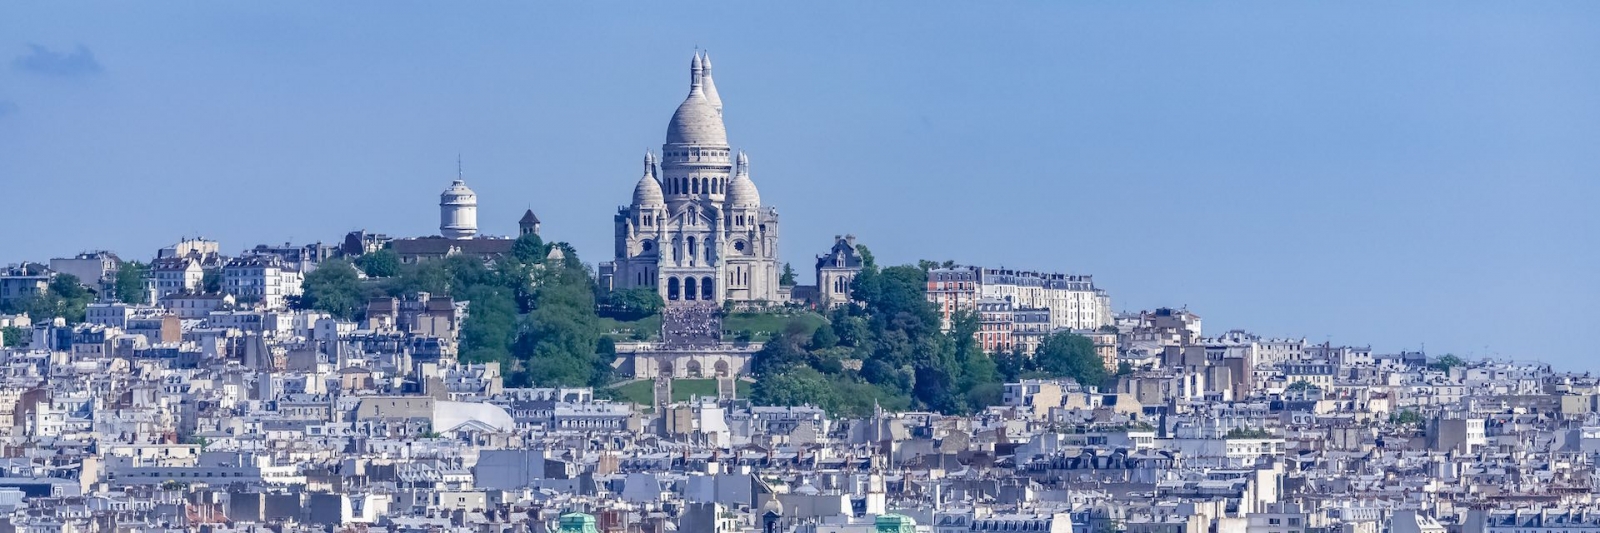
(1291,201)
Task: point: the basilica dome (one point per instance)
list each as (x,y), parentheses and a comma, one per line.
(697,120)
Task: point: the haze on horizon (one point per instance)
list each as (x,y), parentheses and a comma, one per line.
(1357,172)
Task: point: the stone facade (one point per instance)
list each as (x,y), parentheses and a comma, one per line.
(696,229)
(836,270)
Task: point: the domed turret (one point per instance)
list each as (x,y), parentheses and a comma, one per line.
(458,211)
(697,120)
(741,191)
(648,192)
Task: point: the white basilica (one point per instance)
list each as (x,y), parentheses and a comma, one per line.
(696,230)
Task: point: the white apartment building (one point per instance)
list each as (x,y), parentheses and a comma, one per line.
(1072,299)
(261,278)
(177,275)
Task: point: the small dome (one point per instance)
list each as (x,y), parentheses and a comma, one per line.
(741,191)
(648,191)
(697,120)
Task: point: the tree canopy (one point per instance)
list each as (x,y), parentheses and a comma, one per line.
(635,303)
(1446,362)
(905,360)
(129,283)
(380,264)
(335,288)
(787,278)
(64,297)
(891,350)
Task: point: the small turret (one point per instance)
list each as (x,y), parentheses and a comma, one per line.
(707,86)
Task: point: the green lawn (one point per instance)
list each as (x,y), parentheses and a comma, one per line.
(625,330)
(643,392)
(764,326)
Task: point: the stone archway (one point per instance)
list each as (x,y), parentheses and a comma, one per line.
(672,288)
(693,367)
(707,289)
(665,369)
(721,368)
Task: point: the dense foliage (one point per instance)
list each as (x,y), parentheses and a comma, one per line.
(888,349)
(534,316)
(905,361)
(1248,433)
(11,336)
(211,281)
(64,297)
(129,284)
(1446,362)
(633,304)
(333,287)
(380,264)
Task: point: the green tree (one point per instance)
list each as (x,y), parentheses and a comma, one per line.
(799,386)
(529,248)
(129,285)
(64,297)
(426,276)
(383,263)
(635,303)
(788,275)
(1446,362)
(868,262)
(11,336)
(776,357)
(1011,365)
(823,338)
(1248,433)
(561,340)
(211,281)
(1065,354)
(1406,417)
(334,288)
(490,326)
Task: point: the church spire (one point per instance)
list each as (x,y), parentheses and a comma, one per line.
(696,72)
(708,86)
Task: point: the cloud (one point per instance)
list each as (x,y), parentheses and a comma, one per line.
(43,61)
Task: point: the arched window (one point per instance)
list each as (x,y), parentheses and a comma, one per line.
(672,289)
(688,288)
(707,289)
(705,185)
(694,186)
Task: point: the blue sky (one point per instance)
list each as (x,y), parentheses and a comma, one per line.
(1384,173)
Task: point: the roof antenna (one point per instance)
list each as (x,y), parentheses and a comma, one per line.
(459,175)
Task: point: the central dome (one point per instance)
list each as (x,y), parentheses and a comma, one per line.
(697,120)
